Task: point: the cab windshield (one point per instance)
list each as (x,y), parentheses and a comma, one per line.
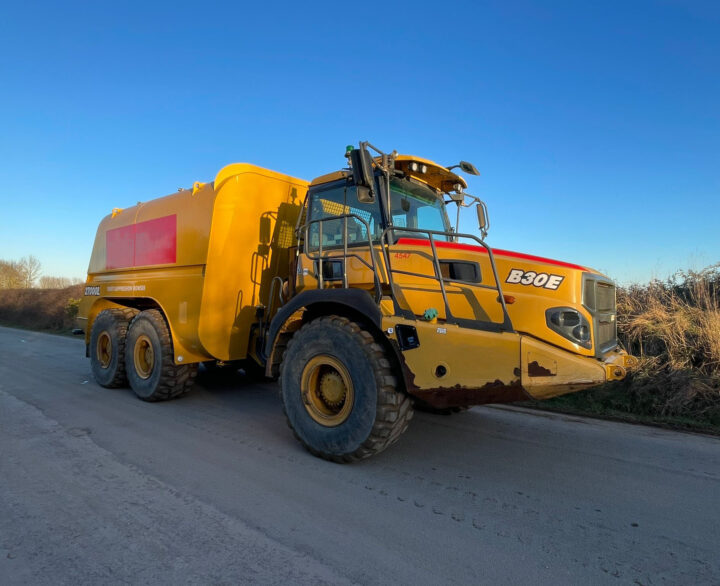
(413,205)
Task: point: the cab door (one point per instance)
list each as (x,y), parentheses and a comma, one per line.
(340,240)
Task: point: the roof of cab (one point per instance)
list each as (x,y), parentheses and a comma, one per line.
(328,177)
(435,175)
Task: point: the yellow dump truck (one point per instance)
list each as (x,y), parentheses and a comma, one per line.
(354,289)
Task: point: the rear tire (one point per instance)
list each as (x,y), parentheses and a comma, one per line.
(107,346)
(149,363)
(339,393)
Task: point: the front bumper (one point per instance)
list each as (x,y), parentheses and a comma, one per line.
(548,371)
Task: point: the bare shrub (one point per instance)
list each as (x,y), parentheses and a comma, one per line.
(50,282)
(10,275)
(19,274)
(40,309)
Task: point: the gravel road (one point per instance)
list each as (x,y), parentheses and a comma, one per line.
(98,487)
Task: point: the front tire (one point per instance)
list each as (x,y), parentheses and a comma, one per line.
(339,393)
(149,363)
(107,346)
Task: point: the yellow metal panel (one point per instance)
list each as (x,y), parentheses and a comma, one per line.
(233,170)
(472,358)
(328,177)
(527,312)
(176,290)
(255,212)
(529,302)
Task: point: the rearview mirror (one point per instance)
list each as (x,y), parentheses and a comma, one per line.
(482,217)
(363,175)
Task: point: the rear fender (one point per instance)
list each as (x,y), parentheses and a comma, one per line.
(182,354)
(86,322)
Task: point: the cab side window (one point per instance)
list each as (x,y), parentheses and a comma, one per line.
(340,200)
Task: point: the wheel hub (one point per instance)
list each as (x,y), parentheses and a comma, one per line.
(332,389)
(144,356)
(327,390)
(104,349)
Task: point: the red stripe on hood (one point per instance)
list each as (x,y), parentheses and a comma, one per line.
(496,251)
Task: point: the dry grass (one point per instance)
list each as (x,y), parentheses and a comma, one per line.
(50,310)
(675,324)
(674,328)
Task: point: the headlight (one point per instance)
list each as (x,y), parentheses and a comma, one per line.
(570,324)
(561,318)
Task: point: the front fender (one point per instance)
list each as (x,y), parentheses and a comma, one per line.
(348,302)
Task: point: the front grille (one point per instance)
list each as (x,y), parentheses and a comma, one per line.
(605,334)
(604,297)
(599,299)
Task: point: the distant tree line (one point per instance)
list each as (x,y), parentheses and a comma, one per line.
(26,273)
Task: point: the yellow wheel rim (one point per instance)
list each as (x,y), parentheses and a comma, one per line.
(327,390)
(144,356)
(104,349)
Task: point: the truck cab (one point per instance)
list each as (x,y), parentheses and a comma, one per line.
(468,324)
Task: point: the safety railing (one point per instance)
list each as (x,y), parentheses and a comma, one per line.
(389,234)
(319,254)
(319,258)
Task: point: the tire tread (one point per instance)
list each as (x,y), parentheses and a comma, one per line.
(175,379)
(394,408)
(122,316)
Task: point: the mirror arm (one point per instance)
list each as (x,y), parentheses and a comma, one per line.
(457,220)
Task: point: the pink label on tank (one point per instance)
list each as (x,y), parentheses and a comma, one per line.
(152,242)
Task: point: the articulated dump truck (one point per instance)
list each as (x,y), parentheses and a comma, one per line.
(355,290)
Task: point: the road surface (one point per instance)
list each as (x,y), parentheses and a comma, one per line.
(97,486)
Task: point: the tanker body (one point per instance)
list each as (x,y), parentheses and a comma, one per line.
(202,259)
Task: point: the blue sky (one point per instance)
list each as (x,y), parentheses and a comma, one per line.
(596,126)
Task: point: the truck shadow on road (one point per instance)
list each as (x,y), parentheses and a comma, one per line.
(472,435)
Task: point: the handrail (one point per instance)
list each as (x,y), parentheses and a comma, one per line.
(271,295)
(385,243)
(320,258)
(268,312)
(384,238)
